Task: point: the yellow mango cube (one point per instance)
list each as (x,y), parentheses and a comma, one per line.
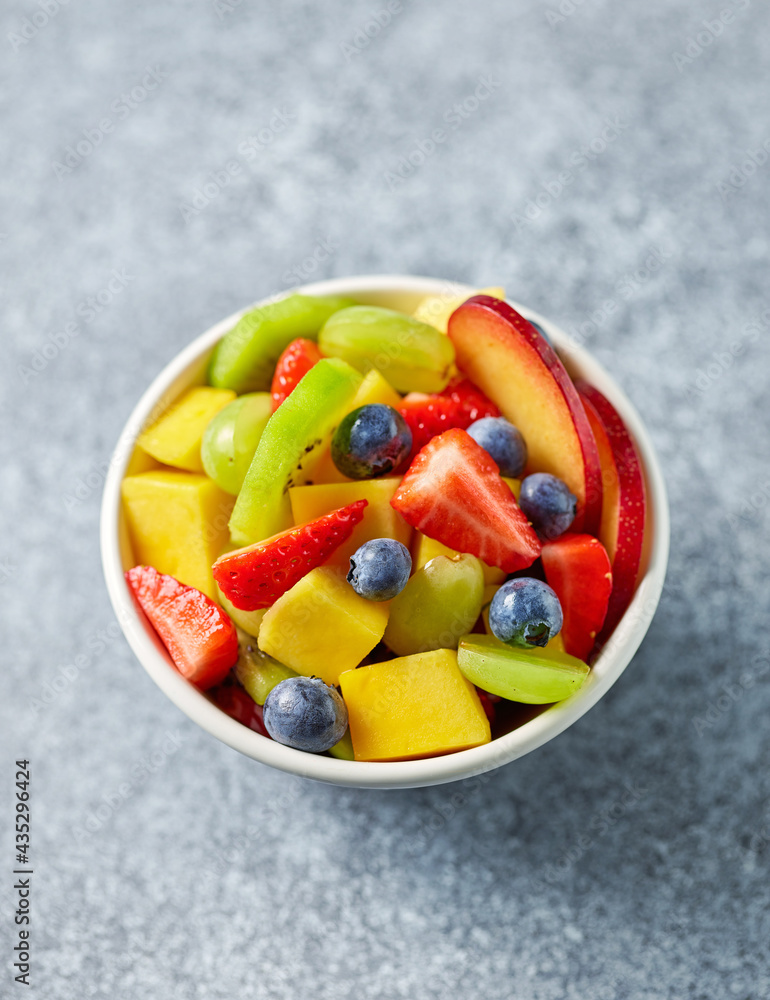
(380,519)
(321,627)
(414,706)
(175,438)
(424,549)
(515,485)
(436,309)
(177,522)
(375,388)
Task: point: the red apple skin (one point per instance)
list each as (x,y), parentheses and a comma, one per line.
(631,500)
(505,356)
(578,568)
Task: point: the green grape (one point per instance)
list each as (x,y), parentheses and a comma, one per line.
(533,676)
(344,749)
(245,358)
(413,356)
(258,672)
(439,604)
(231,439)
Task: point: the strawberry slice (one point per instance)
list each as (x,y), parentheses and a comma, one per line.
(456,406)
(579,570)
(471,401)
(241,707)
(295,362)
(453,492)
(199,636)
(255,577)
(428,416)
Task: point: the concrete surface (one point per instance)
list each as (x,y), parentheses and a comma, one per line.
(629,857)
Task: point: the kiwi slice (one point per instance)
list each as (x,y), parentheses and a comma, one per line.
(295,437)
(245,358)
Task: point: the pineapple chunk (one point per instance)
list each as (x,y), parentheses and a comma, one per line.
(380,519)
(375,388)
(178,524)
(175,438)
(436,309)
(321,626)
(414,706)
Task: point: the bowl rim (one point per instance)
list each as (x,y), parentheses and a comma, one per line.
(610,664)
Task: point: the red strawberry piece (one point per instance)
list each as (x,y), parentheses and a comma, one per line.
(488,704)
(255,577)
(427,416)
(579,570)
(240,706)
(453,492)
(295,362)
(471,400)
(198,635)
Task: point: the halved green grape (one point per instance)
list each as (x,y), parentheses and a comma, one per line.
(258,672)
(245,358)
(344,749)
(532,676)
(439,604)
(230,440)
(295,438)
(413,356)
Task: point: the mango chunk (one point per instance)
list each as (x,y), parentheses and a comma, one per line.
(436,309)
(414,706)
(178,524)
(424,549)
(380,519)
(175,438)
(375,388)
(321,627)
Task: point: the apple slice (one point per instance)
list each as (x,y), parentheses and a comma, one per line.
(505,356)
(578,568)
(623,521)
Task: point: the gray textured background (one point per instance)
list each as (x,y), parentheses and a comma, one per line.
(215,877)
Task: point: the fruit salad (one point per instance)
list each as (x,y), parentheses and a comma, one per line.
(385,536)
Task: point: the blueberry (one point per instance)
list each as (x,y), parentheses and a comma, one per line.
(305,713)
(379,569)
(525,612)
(371,441)
(503,441)
(548,504)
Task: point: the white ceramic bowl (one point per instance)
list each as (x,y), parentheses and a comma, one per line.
(402,293)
